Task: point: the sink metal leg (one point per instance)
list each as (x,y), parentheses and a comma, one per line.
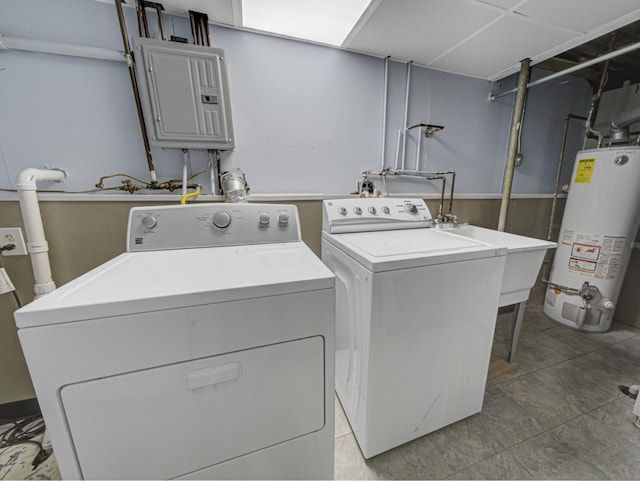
(517,326)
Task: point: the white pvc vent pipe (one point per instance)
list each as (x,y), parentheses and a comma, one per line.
(37,245)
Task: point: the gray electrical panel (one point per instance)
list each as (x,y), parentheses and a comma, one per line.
(184,92)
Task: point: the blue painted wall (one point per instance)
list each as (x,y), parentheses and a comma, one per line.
(308,119)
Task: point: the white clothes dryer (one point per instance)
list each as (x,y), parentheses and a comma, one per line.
(204,351)
(415,316)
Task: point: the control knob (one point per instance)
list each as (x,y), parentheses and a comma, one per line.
(411,208)
(221,219)
(386,209)
(372,210)
(264,219)
(342,211)
(149,222)
(357,210)
(283,218)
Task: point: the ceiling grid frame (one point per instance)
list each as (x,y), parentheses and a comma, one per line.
(460,29)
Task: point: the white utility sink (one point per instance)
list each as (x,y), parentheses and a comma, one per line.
(524,259)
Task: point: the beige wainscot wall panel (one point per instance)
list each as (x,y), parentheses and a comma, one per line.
(84,234)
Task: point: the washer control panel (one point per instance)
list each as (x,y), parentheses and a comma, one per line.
(372,214)
(210,225)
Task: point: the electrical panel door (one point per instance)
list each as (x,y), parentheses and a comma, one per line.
(185,95)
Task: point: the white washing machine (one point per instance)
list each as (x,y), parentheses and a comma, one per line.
(204,351)
(415,317)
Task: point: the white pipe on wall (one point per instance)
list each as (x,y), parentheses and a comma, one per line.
(384,112)
(28,45)
(185,170)
(419,143)
(37,245)
(406,112)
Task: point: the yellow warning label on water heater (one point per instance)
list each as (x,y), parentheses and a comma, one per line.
(585,171)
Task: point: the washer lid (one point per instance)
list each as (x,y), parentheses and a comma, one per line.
(137,282)
(401,249)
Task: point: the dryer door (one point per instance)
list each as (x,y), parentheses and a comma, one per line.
(168,421)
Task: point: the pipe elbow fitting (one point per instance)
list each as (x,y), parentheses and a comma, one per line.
(28,178)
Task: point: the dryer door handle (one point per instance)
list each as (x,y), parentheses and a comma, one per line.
(212,375)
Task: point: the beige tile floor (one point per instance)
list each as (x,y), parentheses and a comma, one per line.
(559,416)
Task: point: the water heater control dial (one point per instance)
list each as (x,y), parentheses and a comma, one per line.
(221,219)
(149,222)
(411,208)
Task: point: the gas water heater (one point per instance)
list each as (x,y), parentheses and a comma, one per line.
(598,230)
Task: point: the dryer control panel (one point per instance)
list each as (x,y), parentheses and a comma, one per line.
(210,225)
(374,214)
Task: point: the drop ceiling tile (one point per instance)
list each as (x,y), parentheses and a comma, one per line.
(499,47)
(418,30)
(579,15)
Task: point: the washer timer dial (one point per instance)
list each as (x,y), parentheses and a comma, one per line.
(411,208)
(221,219)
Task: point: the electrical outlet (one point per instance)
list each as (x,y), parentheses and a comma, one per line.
(13,235)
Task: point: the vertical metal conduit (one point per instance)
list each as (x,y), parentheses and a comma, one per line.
(595,103)
(418,144)
(143,24)
(512,152)
(384,111)
(192,21)
(159,8)
(406,113)
(136,93)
